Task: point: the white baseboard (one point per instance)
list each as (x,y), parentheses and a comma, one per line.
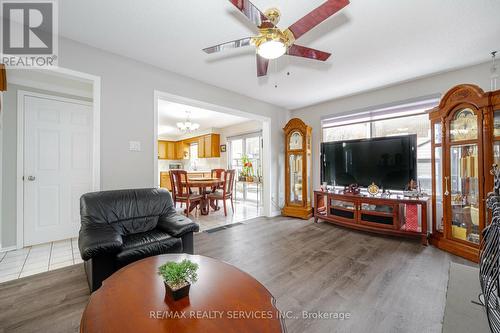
(9,248)
(275,213)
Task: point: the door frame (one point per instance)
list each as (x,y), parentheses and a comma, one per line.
(96,145)
(266,137)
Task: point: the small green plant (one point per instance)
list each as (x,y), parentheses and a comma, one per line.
(178,274)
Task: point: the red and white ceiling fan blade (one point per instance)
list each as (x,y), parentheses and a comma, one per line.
(229,45)
(317,16)
(252,13)
(306,52)
(262,64)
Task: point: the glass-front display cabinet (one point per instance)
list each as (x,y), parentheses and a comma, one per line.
(464,147)
(298,184)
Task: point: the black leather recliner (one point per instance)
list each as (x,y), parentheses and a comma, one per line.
(120,227)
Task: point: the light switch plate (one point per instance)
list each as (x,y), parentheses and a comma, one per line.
(134,146)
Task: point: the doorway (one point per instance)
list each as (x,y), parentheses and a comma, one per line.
(57,165)
(58,154)
(213,120)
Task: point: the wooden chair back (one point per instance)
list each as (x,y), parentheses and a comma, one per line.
(180,183)
(228,182)
(217,173)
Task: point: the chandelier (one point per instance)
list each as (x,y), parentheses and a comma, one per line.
(187,126)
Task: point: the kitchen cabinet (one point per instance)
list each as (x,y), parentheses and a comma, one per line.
(165,180)
(166,150)
(201,147)
(208,146)
(181,150)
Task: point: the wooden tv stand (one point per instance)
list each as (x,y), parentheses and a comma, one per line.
(394,215)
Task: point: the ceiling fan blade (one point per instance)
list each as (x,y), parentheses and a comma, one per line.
(317,16)
(262,64)
(306,52)
(229,45)
(252,13)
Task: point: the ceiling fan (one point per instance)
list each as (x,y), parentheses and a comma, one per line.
(272,42)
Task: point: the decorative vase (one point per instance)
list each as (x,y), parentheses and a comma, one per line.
(177,293)
(249,178)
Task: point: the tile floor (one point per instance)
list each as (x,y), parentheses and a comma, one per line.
(39,258)
(45,257)
(242,211)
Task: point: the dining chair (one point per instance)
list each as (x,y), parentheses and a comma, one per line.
(226,192)
(181,190)
(216,173)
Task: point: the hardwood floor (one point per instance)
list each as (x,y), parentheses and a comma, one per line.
(385,284)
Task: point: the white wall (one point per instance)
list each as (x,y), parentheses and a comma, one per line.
(127,112)
(440,83)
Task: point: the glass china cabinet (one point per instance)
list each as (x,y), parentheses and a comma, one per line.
(464,147)
(298,185)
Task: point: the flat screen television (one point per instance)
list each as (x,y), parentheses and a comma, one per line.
(389,162)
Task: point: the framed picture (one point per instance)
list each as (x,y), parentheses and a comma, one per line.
(223,148)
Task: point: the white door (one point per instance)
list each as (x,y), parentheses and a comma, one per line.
(57,167)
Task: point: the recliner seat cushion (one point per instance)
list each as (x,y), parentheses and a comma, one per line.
(146,244)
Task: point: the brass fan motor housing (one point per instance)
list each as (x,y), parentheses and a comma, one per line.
(273,14)
(267,34)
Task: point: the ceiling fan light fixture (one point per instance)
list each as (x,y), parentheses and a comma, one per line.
(271,49)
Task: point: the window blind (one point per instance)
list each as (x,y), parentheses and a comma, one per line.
(395,110)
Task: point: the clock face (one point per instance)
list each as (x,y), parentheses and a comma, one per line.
(295,141)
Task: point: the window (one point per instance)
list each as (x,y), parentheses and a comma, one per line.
(347,132)
(399,122)
(193,155)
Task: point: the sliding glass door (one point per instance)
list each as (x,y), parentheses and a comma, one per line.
(247,146)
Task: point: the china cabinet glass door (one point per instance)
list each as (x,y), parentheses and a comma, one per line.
(496,137)
(295,166)
(461,182)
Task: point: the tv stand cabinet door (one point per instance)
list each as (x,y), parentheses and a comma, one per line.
(342,208)
(380,215)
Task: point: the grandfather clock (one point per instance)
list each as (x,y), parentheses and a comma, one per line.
(297,170)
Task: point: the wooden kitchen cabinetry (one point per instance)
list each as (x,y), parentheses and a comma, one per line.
(181,150)
(165,180)
(208,146)
(166,150)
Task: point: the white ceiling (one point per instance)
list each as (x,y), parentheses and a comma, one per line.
(374,43)
(169,114)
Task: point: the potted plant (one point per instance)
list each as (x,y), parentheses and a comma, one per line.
(247,170)
(178,277)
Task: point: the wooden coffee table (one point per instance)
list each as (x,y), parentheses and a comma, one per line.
(224,299)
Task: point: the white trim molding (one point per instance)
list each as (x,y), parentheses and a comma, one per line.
(1,165)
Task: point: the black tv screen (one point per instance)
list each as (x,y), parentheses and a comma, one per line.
(389,162)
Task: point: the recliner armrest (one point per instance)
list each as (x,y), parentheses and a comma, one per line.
(98,238)
(177,225)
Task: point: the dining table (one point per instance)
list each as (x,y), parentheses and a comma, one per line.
(203,184)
